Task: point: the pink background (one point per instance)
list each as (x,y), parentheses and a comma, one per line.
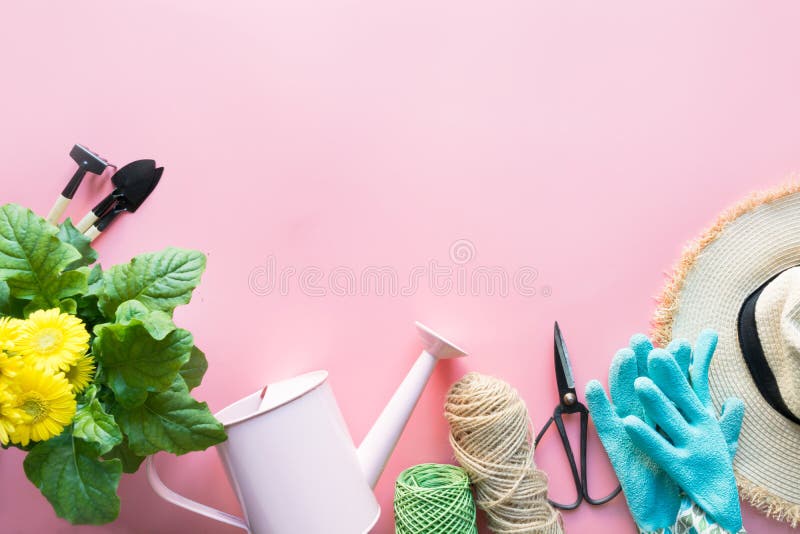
(589,140)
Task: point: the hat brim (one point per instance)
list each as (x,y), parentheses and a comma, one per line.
(744,248)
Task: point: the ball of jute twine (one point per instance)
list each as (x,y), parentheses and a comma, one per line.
(434,499)
(491,436)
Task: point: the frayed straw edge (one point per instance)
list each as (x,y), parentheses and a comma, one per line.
(763,500)
(768,503)
(668,300)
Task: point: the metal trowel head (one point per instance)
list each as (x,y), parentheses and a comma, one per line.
(134,182)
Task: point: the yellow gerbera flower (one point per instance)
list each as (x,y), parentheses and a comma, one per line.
(46,402)
(10,414)
(9,332)
(52,340)
(81,374)
(9,365)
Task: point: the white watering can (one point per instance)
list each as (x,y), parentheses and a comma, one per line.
(292,462)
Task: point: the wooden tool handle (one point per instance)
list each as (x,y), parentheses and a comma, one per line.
(57,210)
(86,222)
(92,233)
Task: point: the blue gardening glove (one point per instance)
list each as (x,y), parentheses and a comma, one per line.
(695,452)
(695,364)
(653,498)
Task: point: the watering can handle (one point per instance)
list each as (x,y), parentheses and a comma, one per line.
(167,494)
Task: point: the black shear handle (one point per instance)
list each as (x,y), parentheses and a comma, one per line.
(578,477)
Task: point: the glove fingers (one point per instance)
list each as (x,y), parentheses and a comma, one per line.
(600,408)
(661,410)
(681,350)
(649,441)
(641,346)
(621,376)
(704,349)
(730,422)
(664,371)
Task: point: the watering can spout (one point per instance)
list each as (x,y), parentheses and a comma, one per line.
(374,451)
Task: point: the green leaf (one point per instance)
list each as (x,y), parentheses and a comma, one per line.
(160,280)
(89,312)
(193,370)
(157,323)
(68,306)
(134,362)
(96,427)
(130,460)
(32,258)
(69,234)
(81,487)
(130,397)
(17,308)
(5,299)
(170,421)
(9,305)
(88,309)
(94,279)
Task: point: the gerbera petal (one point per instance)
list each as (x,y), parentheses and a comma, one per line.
(52,340)
(47,403)
(9,332)
(81,375)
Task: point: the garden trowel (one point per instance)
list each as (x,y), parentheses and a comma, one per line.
(133,184)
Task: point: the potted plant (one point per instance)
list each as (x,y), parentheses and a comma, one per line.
(94,373)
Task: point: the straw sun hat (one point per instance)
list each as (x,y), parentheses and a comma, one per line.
(742,278)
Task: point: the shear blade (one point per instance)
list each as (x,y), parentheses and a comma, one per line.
(565,368)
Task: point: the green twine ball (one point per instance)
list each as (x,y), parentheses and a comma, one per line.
(434,499)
